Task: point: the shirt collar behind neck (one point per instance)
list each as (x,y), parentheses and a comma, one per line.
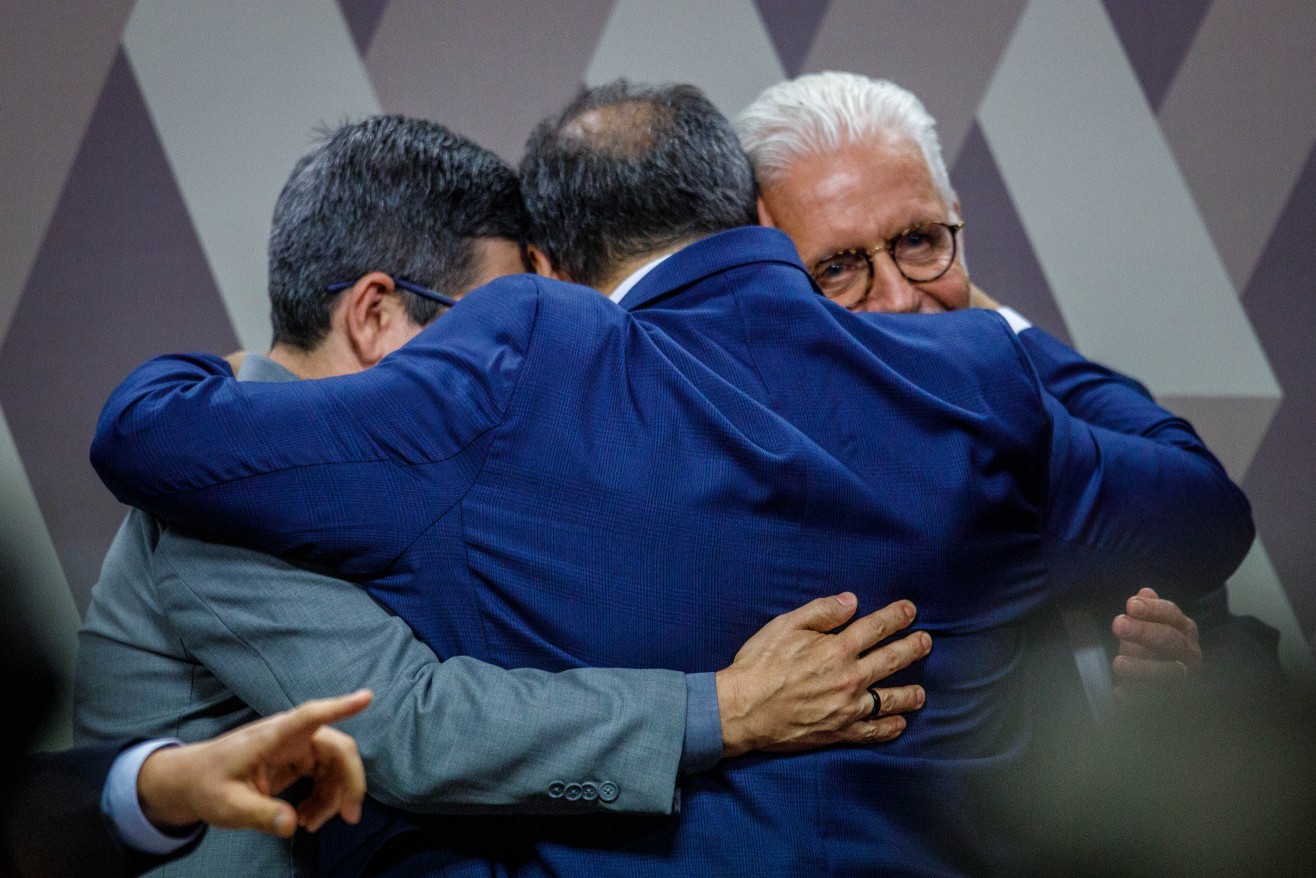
(634,278)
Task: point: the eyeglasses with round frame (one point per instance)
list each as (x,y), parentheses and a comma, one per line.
(921,253)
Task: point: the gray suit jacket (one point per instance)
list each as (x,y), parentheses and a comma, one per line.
(188,638)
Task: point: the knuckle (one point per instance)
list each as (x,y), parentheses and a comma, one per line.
(885,663)
(910,649)
(853,680)
(837,650)
(850,732)
(855,714)
(901,700)
(873,732)
(891,727)
(226,808)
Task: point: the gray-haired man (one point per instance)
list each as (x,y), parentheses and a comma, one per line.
(851,169)
(187,638)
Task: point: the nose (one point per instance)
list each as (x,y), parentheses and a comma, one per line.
(892,292)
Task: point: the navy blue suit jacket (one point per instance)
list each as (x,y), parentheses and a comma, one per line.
(544,478)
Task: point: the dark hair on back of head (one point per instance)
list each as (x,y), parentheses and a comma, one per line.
(394,194)
(628,170)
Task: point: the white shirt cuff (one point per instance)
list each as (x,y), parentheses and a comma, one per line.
(1016,320)
(119,803)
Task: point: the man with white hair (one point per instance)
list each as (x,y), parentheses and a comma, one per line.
(588,475)
(844,162)
(851,169)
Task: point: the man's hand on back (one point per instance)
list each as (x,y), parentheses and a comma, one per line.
(794,686)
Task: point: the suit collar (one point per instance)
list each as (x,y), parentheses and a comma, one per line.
(711,255)
(635,277)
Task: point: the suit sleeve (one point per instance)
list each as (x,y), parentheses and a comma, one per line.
(458,736)
(344,471)
(54,824)
(1135,494)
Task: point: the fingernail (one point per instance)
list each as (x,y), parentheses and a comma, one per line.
(847,600)
(1121,624)
(908,610)
(898,722)
(1137,605)
(919,697)
(925,639)
(284,823)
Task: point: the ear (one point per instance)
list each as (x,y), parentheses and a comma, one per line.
(371,315)
(540,264)
(765,215)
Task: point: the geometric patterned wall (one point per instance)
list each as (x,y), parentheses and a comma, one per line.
(1138,178)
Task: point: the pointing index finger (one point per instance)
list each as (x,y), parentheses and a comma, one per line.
(307,717)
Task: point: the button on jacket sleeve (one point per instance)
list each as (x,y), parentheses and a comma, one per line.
(459,736)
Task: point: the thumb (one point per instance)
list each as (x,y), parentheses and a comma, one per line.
(248,809)
(823,614)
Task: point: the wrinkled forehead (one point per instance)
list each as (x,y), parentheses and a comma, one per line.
(853,196)
(871,159)
(861,178)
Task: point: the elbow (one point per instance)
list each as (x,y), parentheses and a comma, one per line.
(1240,530)
(132,444)
(1224,532)
(109,456)
(121,448)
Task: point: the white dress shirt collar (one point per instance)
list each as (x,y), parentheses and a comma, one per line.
(634,278)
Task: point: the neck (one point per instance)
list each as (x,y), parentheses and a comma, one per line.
(630,266)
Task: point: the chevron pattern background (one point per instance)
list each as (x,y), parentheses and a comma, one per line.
(1139,178)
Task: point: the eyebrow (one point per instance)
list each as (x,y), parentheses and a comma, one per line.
(908,227)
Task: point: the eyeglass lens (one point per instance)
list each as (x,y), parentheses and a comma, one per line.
(921,254)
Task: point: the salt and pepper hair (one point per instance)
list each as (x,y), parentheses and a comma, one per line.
(628,170)
(819,113)
(390,193)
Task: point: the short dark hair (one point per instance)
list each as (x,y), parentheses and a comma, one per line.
(628,170)
(394,194)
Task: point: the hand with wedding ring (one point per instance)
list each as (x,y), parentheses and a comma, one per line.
(796,686)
